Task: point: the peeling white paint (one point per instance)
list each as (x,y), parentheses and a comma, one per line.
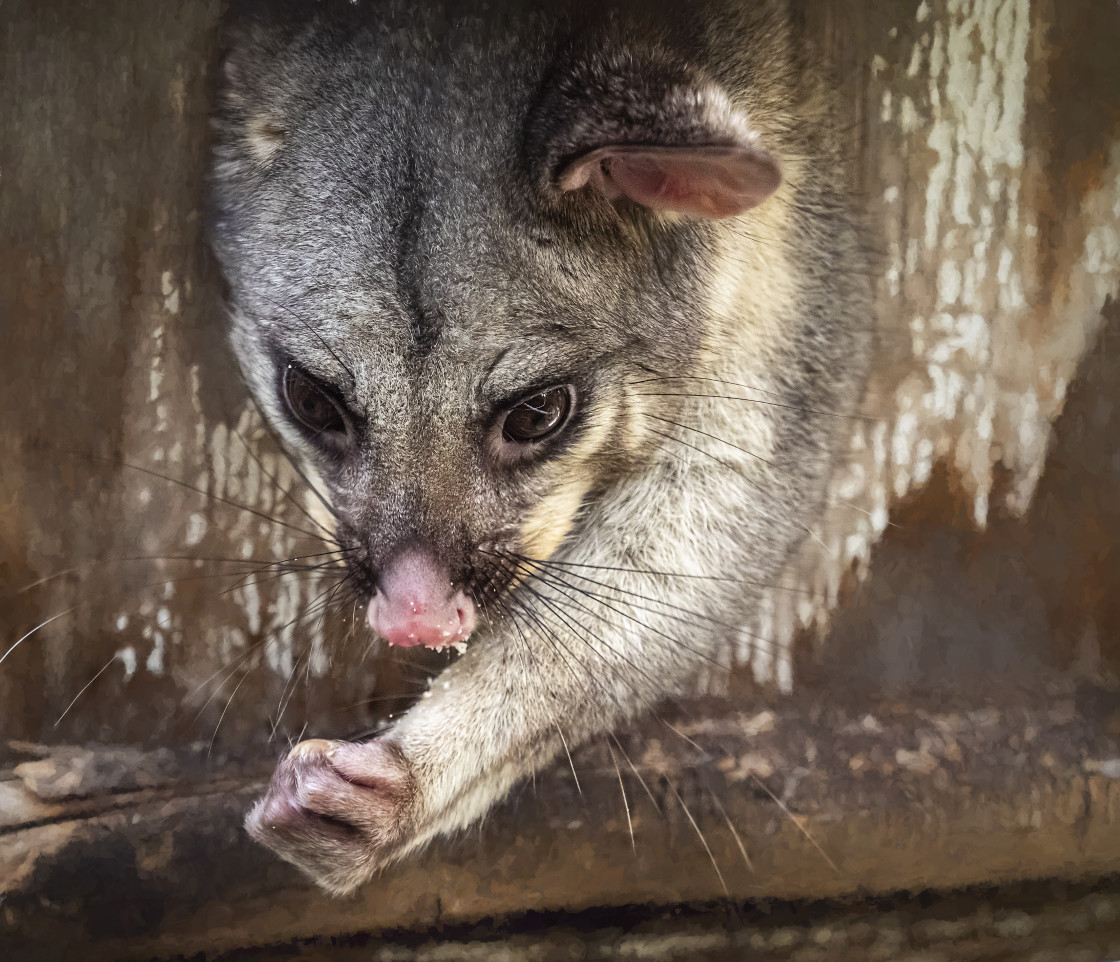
(154,663)
(240,493)
(170,293)
(196,530)
(127,657)
(984,380)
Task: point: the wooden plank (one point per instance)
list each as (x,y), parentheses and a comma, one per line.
(902,798)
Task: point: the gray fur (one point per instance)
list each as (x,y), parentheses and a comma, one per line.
(387,214)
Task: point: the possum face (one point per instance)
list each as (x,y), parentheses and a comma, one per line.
(449,281)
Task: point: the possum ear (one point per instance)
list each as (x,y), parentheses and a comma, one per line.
(636,126)
(250,125)
(705,180)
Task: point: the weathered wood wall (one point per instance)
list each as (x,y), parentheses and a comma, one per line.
(116,379)
(991,158)
(143,508)
(987,137)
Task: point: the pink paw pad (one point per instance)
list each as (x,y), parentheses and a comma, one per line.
(336,810)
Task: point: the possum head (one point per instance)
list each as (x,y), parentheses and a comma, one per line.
(450,266)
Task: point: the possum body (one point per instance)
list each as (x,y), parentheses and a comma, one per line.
(561,307)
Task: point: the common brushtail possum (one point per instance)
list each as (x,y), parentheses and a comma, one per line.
(561,306)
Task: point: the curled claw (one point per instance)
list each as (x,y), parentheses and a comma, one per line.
(313,746)
(338,811)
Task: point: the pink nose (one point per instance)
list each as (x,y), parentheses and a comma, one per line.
(416,604)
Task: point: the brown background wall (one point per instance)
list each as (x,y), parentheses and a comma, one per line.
(988,142)
(116,373)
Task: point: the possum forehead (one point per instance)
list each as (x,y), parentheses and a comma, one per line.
(448,293)
(381,192)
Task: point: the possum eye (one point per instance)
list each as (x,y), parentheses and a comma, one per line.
(538,416)
(313,407)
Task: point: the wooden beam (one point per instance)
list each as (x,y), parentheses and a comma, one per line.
(794,803)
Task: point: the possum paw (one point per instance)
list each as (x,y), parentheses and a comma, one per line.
(337,810)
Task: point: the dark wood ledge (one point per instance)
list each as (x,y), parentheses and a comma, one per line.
(798,801)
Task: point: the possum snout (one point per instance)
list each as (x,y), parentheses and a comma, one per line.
(416,603)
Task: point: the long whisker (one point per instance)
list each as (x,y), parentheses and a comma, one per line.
(676,731)
(731,465)
(796,821)
(734,467)
(734,831)
(738,470)
(578,630)
(223,670)
(42,624)
(548,638)
(221,717)
(746,387)
(525,649)
(703,840)
(207,494)
(285,697)
(665,604)
(637,774)
(104,668)
(555,640)
(263,644)
(293,463)
(578,633)
(564,742)
(677,641)
(101,562)
(666,574)
(211,559)
(625,800)
(275,572)
(316,334)
(286,493)
(714,437)
(331,592)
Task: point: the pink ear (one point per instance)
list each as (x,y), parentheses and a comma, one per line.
(704,181)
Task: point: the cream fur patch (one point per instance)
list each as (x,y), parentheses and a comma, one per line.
(549,522)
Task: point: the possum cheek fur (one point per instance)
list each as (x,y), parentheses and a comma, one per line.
(573,476)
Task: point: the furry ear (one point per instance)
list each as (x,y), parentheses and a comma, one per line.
(633,125)
(703,181)
(250,123)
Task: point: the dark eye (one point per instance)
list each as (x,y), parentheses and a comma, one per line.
(312,405)
(538,416)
